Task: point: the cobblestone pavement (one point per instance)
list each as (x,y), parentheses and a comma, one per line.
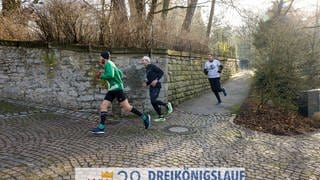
(49,143)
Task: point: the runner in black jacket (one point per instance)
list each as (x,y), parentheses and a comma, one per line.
(154,74)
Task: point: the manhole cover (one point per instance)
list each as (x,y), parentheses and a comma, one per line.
(177,129)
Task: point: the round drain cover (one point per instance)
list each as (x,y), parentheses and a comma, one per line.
(177,129)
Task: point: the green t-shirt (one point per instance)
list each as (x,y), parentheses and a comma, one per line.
(113,76)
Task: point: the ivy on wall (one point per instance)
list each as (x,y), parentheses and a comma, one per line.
(93,79)
(50,61)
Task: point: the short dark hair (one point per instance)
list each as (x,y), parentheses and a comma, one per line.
(105,54)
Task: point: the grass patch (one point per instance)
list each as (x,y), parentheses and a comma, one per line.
(235,109)
(6,107)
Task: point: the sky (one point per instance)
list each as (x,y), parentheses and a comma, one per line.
(257,6)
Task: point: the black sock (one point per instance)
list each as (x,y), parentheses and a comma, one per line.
(163,104)
(136,112)
(103,116)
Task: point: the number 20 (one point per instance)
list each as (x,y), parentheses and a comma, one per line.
(133,174)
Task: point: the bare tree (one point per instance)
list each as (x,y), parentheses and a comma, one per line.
(140,9)
(141,23)
(119,12)
(62,21)
(189,15)
(150,16)
(213,2)
(165,6)
(137,14)
(102,20)
(119,21)
(315,50)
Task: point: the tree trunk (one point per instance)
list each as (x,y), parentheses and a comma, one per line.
(149,26)
(138,23)
(314,70)
(102,22)
(120,22)
(150,16)
(189,15)
(211,18)
(133,9)
(165,6)
(140,9)
(119,12)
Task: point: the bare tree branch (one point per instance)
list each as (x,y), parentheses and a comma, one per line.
(238,10)
(178,7)
(288,7)
(88,4)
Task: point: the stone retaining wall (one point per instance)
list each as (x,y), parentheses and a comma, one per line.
(63,76)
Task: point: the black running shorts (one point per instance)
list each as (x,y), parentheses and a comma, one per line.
(120,95)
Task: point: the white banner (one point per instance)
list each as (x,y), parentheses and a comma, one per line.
(159,173)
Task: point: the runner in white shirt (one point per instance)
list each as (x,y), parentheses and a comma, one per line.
(213,68)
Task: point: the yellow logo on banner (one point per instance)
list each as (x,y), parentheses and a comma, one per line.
(107,174)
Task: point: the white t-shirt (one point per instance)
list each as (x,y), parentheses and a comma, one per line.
(213,68)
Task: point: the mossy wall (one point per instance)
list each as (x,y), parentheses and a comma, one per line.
(63,75)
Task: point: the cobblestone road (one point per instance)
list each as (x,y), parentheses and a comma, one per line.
(41,144)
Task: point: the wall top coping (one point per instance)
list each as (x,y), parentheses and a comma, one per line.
(313,90)
(96,49)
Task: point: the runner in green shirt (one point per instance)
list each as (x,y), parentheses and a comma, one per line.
(113,77)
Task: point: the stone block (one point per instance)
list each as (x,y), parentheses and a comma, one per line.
(313,101)
(86,98)
(316,116)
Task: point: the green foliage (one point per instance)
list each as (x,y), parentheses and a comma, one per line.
(225,49)
(223,42)
(279,87)
(6,107)
(96,82)
(260,37)
(235,109)
(50,62)
(282,49)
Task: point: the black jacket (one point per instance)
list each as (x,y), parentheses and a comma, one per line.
(153,72)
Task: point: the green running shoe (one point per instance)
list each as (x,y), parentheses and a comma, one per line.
(146,120)
(169,106)
(160,119)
